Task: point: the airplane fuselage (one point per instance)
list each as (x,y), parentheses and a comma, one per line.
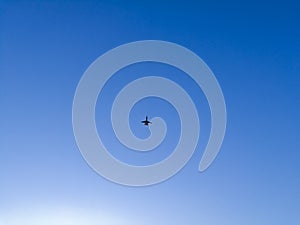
(146,122)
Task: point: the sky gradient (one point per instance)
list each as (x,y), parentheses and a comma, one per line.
(253,48)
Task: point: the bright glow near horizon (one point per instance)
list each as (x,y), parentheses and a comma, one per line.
(62,216)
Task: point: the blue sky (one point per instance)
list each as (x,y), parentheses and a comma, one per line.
(253,49)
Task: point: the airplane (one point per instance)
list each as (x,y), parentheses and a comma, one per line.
(146,122)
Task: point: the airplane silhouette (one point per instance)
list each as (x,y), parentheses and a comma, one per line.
(146,122)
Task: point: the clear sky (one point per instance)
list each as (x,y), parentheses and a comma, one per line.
(253,48)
